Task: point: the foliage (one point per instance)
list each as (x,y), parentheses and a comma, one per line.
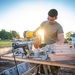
(15,34)
(68,35)
(9,35)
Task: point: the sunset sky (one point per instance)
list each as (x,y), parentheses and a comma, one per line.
(22,15)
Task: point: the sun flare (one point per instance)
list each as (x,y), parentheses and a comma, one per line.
(41,33)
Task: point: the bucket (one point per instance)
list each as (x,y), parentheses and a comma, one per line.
(73,40)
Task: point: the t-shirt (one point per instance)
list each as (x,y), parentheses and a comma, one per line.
(51,30)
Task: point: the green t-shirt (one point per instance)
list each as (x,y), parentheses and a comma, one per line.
(51,31)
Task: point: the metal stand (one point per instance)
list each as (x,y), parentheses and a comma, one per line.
(15,62)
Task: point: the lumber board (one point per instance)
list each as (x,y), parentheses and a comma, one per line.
(60,57)
(64,49)
(44,62)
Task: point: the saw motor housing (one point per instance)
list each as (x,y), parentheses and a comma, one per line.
(26,46)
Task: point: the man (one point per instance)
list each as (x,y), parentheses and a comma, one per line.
(53,33)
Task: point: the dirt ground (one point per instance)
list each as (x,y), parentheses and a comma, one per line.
(6,64)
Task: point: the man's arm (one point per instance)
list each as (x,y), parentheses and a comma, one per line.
(36,31)
(60,38)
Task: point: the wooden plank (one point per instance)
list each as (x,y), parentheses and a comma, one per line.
(30,70)
(60,57)
(64,49)
(44,62)
(45,69)
(62,52)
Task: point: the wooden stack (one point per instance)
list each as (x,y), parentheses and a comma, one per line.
(63,52)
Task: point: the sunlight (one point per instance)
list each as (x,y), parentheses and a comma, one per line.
(41,33)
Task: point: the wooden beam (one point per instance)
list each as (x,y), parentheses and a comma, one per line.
(60,57)
(41,62)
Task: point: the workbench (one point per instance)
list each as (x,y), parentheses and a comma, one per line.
(62,57)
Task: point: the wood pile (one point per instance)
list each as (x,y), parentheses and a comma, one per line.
(63,52)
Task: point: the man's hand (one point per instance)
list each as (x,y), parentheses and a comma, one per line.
(42,45)
(37,42)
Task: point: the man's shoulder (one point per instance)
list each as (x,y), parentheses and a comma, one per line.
(59,28)
(58,24)
(44,22)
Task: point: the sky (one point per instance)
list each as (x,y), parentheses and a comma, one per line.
(23,15)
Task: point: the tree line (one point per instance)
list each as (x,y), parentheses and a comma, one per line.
(69,35)
(8,35)
(14,34)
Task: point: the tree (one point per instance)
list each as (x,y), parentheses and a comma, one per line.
(2,34)
(15,34)
(9,35)
(68,35)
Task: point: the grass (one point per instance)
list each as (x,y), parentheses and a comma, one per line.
(5,43)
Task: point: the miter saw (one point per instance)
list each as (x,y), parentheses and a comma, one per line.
(25,46)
